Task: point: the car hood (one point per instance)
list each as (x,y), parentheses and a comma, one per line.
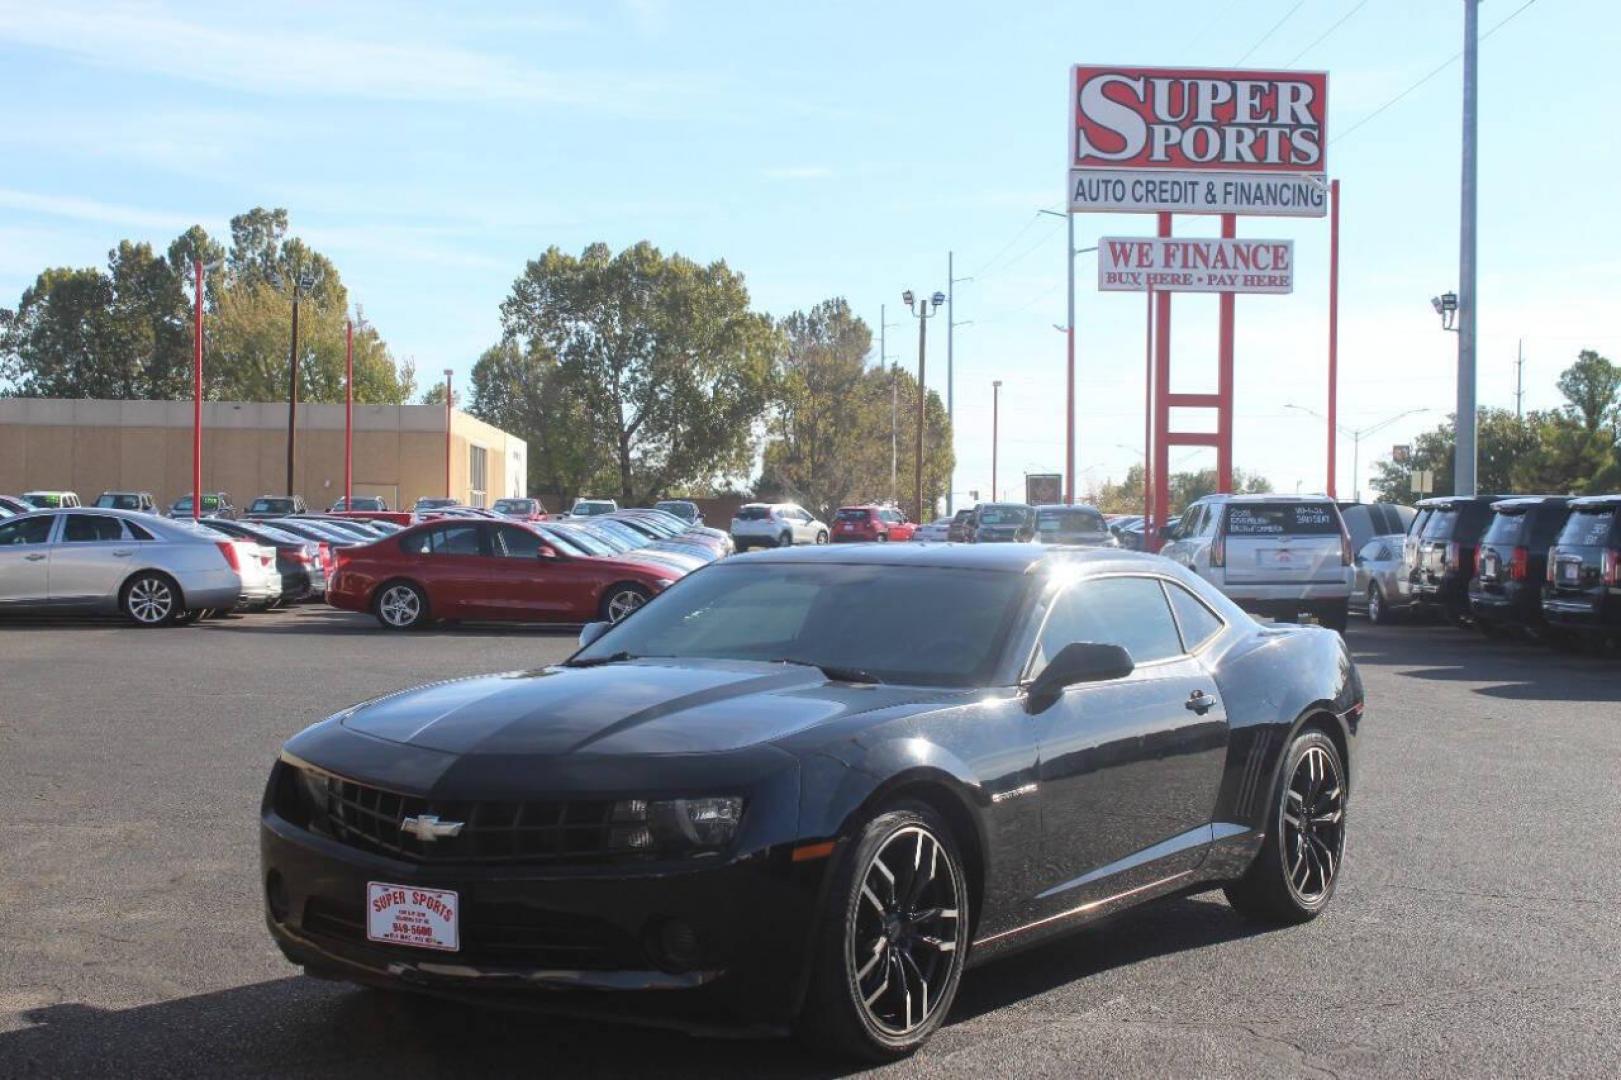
(639,708)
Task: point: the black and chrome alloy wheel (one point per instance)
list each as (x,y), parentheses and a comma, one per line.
(903,935)
(1312,825)
(893,940)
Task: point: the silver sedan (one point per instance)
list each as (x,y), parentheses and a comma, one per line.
(153,570)
(1374,592)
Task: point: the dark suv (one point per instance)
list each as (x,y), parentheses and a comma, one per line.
(1506,591)
(1444,559)
(1000,523)
(1582,595)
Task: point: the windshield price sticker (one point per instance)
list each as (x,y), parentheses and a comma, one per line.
(420,918)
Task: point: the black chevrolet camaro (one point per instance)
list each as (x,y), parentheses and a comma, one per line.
(806,788)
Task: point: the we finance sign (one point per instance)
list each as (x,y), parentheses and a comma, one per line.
(1176,264)
(1197,141)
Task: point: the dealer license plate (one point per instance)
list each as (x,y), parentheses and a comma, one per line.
(1570,572)
(1277,559)
(407,915)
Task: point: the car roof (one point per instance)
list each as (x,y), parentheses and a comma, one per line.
(1438,501)
(1590,502)
(1525,502)
(1264,497)
(1067,506)
(1006,558)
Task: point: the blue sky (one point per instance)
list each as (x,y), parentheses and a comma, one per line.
(842,149)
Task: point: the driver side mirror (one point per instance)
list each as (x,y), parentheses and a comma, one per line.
(591,631)
(1078,662)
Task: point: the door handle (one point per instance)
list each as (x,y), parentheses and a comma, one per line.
(1199,702)
(123,553)
(34,558)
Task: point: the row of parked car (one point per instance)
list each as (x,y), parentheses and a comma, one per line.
(786,524)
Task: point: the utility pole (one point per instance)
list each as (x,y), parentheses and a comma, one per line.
(894,403)
(292,389)
(923,312)
(1463,468)
(1519,381)
(996,413)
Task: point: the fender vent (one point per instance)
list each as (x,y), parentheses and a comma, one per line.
(1254,768)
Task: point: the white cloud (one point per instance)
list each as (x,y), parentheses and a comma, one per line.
(149,38)
(79,209)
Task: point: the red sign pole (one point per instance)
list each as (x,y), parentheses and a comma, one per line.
(1333,326)
(1224,376)
(447,433)
(1148,417)
(197,399)
(348,414)
(1162,411)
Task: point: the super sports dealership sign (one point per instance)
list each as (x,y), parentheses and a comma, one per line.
(1197,141)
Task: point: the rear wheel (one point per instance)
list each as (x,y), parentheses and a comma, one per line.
(821,536)
(1293,877)
(785,540)
(1378,613)
(893,937)
(621,601)
(400,605)
(150,599)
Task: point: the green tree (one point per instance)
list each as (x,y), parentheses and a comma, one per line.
(1505,444)
(671,367)
(522,391)
(1591,387)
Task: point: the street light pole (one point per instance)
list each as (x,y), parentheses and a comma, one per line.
(894,402)
(1463,469)
(951,409)
(996,411)
(1069,336)
(292,392)
(1355,435)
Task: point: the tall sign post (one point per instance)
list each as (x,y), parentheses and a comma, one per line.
(1169,141)
(197,398)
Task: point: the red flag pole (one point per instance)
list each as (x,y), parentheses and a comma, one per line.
(348,415)
(1333,327)
(197,399)
(1148,421)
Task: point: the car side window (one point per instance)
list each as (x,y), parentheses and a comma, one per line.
(1197,622)
(136,532)
(457,540)
(91,529)
(514,543)
(1127,611)
(27,530)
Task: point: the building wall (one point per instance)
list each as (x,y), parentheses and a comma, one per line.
(95,446)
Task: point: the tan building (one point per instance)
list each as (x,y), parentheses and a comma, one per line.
(399,451)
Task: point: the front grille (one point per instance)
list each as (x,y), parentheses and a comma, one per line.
(499,934)
(492,832)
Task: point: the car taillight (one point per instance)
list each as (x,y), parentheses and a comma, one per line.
(228,549)
(1519,564)
(302,555)
(1553,561)
(1610,567)
(1345,548)
(326,552)
(1218,550)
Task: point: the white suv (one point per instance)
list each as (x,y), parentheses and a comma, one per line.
(776,525)
(1275,555)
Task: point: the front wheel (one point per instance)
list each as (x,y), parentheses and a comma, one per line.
(622,601)
(893,938)
(785,540)
(1293,877)
(821,537)
(1378,613)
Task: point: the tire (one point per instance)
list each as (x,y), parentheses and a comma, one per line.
(821,537)
(883,538)
(150,599)
(1379,614)
(1336,615)
(1293,877)
(401,605)
(785,540)
(621,601)
(186,618)
(872,951)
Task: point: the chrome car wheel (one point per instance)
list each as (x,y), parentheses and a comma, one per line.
(400,606)
(1376,605)
(150,600)
(622,603)
(1313,825)
(901,946)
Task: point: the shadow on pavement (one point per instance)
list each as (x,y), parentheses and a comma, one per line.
(304,1027)
(1508,668)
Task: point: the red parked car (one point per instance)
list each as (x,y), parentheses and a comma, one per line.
(459,568)
(866,523)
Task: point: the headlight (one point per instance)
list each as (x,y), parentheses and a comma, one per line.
(674,825)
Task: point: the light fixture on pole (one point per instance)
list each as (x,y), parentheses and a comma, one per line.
(1446,306)
(923,310)
(1356,435)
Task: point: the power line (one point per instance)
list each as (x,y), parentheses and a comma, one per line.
(1003,250)
(1324,35)
(1275,28)
(1453,59)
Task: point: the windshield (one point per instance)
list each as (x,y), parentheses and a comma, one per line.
(928,625)
(514,506)
(426,503)
(1505,528)
(591,509)
(1587,528)
(271,506)
(852,514)
(46,502)
(119,502)
(753,513)
(1004,515)
(210,502)
(586,541)
(684,510)
(1069,521)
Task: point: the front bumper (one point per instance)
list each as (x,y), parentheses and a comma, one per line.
(572,939)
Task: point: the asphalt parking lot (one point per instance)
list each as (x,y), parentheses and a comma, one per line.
(1477,929)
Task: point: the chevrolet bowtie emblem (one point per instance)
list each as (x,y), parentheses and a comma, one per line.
(427,827)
